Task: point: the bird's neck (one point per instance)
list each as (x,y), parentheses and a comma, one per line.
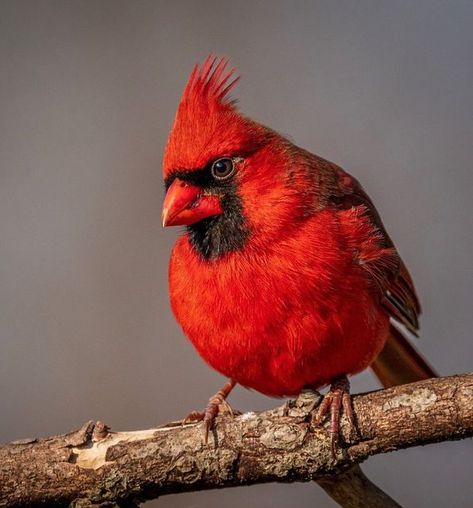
(216,236)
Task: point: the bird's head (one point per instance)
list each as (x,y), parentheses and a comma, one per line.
(223,172)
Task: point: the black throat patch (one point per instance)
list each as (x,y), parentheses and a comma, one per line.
(215,236)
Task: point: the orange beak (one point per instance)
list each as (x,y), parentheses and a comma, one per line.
(185,204)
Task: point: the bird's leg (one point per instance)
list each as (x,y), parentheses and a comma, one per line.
(337,397)
(216,404)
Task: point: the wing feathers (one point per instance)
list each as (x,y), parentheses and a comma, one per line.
(374,249)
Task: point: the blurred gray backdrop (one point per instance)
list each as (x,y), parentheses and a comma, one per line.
(88,92)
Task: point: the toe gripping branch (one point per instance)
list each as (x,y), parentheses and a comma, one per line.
(215,405)
(337,397)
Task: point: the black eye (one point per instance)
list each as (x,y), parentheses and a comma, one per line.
(223,168)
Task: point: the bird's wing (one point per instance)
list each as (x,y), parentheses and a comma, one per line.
(373,248)
(399,362)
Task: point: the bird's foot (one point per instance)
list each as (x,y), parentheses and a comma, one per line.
(217,405)
(337,397)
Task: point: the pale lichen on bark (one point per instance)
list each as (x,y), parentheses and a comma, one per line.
(93,455)
(417,401)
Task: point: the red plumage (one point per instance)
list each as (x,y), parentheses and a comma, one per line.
(303,290)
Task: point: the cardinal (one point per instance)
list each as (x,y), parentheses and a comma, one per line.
(284,278)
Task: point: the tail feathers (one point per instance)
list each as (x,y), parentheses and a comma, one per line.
(399,362)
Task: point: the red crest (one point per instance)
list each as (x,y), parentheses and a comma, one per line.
(207,123)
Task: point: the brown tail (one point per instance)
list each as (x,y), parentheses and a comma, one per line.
(399,362)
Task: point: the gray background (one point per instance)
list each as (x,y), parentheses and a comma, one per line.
(88,92)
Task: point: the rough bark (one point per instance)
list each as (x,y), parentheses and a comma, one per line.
(352,489)
(94,466)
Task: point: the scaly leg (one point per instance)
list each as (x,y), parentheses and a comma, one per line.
(215,405)
(336,398)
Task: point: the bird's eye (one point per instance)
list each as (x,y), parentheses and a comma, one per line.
(223,169)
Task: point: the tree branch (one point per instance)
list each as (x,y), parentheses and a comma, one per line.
(95,466)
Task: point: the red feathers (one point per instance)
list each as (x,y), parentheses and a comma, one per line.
(207,123)
(301,297)
(297,313)
(211,83)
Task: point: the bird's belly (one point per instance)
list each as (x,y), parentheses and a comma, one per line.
(306,350)
(276,338)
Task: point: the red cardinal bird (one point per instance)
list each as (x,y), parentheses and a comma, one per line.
(285,277)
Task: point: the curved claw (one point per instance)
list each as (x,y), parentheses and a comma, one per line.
(217,404)
(336,398)
(211,412)
(193,416)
